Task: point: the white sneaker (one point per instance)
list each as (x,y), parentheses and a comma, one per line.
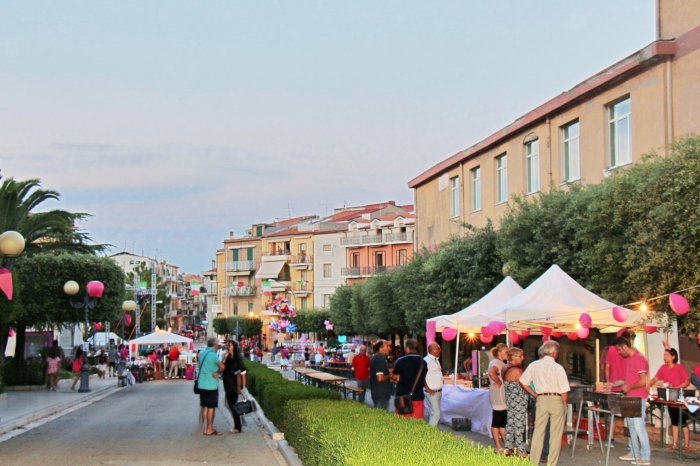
(628,457)
(642,462)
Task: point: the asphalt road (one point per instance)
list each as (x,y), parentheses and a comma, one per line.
(147,424)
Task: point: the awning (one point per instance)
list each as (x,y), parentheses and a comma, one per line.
(270,269)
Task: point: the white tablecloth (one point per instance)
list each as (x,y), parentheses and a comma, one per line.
(463,403)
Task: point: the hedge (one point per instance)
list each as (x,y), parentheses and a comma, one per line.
(348,433)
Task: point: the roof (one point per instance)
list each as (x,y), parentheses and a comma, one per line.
(615,73)
(285,232)
(291,221)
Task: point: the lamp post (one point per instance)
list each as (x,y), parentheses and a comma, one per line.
(11,246)
(127,306)
(92,294)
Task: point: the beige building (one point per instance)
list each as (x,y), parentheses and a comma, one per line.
(605,123)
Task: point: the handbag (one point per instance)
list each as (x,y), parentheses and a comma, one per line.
(243,407)
(196,380)
(403,403)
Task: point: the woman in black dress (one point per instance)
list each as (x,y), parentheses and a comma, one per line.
(234,381)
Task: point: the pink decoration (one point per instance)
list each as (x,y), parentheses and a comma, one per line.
(572,336)
(557,334)
(133,348)
(546,330)
(524,333)
(583,333)
(679,304)
(486,339)
(430,332)
(95,289)
(11,333)
(98,326)
(650,328)
(545,338)
(191,346)
(495,327)
(448,333)
(513,337)
(127,319)
(6,283)
(485,332)
(619,314)
(585,320)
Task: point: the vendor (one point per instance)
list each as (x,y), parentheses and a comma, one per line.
(675,376)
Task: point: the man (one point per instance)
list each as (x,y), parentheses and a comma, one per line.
(533,410)
(695,375)
(411,370)
(320,353)
(634,383)
(112,356)
(379,377)
(552,395)
(433,382)
(209,369)
(173,356)
(614,369)
(274,352)
(360,367)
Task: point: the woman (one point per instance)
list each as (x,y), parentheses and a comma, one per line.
(284,355)
(234,381)
(516,402)
(675,376)
(53,363)
(77,365)
(102,364)
(497,396)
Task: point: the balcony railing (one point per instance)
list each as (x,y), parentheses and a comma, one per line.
(369,239)
(303,259)
(234,266)
(350,271)
(277,252)
(399,237)
(406,237)
(350,240)
(296,286)
(211,288)
(240,290)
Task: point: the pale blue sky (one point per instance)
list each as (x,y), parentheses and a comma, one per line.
(174,123)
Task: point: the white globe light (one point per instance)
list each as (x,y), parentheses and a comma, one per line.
(128,305)
(11,244)
(71,288)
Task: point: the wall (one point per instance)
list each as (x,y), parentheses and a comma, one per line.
(335,257)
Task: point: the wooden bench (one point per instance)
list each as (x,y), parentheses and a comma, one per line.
(356,392)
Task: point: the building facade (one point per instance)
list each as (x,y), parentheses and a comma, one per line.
(607,122)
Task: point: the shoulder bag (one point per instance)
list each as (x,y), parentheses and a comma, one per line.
(196,380)
(244,407)
(403,403)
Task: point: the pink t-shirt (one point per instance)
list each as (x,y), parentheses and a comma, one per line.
(617,364)
(674,376)
(636,364)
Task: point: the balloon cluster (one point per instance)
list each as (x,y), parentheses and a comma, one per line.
(328,324)
(282,307)
(282,326)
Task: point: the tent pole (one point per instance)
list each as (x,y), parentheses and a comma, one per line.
(597,360)
(454,376)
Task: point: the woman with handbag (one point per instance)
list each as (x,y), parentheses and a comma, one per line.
(234,381)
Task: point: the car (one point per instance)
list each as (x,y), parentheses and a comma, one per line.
(187,333)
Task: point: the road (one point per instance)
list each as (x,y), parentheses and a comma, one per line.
(147,424)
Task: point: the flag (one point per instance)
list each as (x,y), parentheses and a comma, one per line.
(240,284)
(194,288)
(266,289)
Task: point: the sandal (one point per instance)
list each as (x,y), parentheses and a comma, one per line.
(234,431)
(672,447)
(687,448)
(213,433)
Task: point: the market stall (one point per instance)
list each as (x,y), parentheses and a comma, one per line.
(463,402)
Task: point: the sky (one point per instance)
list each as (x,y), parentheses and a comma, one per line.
(176,122)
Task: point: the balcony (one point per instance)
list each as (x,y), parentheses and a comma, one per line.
(303,259)
(277,252)
(406,237)
(364,271)
(372,239)
(239,266)
(240,290)
(350,271)
(298,288)
(351,241)
(399,238)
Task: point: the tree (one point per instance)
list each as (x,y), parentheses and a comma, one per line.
(339,310)
(143,274)
(247,326)
(311,320)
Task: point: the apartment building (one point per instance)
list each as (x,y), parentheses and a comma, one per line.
(129,261)
(604,124)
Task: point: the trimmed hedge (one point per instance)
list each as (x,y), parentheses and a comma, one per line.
(348,433)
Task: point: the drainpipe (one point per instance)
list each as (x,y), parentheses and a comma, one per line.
(669,107)
(549,148)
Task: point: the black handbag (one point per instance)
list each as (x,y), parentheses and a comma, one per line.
(243,407)
(403,403)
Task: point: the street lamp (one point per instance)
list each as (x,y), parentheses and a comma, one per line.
(93,293)
(127,306)
(11,246)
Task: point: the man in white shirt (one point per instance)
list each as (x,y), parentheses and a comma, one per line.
(551,398)
(433,383)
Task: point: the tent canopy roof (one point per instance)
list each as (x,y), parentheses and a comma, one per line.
(556,299)
(464,319)
(160,338)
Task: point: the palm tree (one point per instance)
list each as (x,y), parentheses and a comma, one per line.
(49,231)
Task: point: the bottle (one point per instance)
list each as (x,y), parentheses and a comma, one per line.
(681,396)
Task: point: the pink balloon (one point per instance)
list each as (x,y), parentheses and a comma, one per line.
(11,333)
(98,326)
(430,331)
(679,304)
(545,338)
(485,339)
(448,333)
(485,332)
(495,328)
(619,314)
(582,333)
(585,320)
(572,336)
(513,337)
(557,334)
(546,330)
(95,289)
(650,328)
(524,333)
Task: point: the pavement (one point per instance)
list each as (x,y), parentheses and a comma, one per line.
(154,423)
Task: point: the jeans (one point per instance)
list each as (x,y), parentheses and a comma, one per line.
(638,434)
(382,403)
(434,403)
(363,385)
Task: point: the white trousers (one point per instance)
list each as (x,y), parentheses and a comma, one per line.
(434,403)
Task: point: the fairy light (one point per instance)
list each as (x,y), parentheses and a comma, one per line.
(578,326)
(471,334)
(643,307)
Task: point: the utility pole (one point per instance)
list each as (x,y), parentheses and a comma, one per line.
(138,291)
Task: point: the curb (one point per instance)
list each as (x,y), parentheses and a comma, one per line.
(283,447)
(37,415)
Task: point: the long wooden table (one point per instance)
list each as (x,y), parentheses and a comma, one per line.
(684,412)
(321,379)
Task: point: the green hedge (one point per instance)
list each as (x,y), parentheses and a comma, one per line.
(277,395)
(27,372)
(348,433)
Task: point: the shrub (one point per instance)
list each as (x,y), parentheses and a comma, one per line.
(2,384)
(276,395)
(345,433)
(27,372)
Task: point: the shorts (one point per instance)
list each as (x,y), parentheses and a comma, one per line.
(113,364)
(284,362)
(209,398)
(499,418)
(675,414)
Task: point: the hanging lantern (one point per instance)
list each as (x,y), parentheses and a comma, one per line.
(582,333)
(585,320)
(557,334)
(678,303)
(572,336)
(619,314)
(513,337)
(448,333)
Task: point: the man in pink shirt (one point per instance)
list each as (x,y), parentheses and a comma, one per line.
(634,383)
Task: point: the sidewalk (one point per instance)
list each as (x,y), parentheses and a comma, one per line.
(18,408)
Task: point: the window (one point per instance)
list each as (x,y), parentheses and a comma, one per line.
(234,255)
(379,259)
(235,309)
(327,271)
(303,303)
(619,127)
(326,300)
(250,306)
(475,175)
(302,249)
(532,159)
(501,178)
(131,262)
(355,259)
(401,256)
(249,254)
(258,230)
(572,166)
(454,197)
(326,247)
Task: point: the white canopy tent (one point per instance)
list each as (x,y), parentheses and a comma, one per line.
(555,299)
(161,338)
